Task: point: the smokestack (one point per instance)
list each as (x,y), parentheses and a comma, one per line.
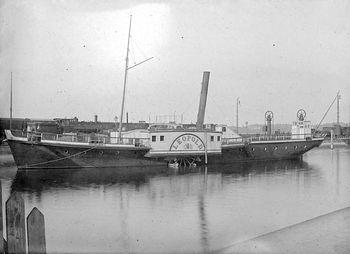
(96,118)
(203,100)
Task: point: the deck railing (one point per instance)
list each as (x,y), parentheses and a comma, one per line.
(97,139)
(19,133)
(100,139)
(229,141)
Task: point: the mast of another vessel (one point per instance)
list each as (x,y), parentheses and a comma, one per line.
(124,86)
(11,104)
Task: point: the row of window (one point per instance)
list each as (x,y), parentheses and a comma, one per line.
(306,126)
(276,147)
(213,137)
(161,138)
(154,138)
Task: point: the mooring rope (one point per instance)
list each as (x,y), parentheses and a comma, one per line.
(64,158)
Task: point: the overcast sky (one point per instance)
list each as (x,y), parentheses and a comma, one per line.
(68,57)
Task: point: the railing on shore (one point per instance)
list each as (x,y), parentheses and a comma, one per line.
(93,138)
(343,137)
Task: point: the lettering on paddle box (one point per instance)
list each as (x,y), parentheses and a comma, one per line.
(187,142)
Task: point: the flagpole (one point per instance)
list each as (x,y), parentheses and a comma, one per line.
(11,104)
(237,103)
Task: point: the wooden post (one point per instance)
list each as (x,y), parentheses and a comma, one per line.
(36,232)
(332,137)
(1,225)
(15,219)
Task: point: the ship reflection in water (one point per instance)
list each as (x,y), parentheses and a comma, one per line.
(182,210)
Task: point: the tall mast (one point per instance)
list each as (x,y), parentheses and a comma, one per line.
(125,78)
(11,104)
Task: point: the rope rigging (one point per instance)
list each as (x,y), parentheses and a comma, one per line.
(64,158)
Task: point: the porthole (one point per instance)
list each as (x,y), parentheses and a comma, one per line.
(101,152)
(66,152)
(265,148)
(275,148)
(286,147)
(305,147)
(253,149)
(295,147)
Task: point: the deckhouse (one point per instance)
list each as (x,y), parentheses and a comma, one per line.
(175,141)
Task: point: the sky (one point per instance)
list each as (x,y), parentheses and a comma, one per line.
(67,59)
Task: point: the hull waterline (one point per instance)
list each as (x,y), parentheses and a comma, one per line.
(37,155)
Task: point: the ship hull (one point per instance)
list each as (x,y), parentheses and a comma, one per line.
(269,150)
(28,155)
(38,155)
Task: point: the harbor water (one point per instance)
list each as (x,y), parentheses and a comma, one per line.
(169,210)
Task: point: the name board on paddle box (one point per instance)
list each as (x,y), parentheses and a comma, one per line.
(187,142)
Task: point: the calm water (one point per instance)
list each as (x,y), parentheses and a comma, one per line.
(166,210)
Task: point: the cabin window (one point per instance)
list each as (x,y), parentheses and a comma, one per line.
(161,138)
(211,138)
(218,138)
(224,129)
(154,138)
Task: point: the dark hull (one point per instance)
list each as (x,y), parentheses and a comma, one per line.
(267,151)
(29,155)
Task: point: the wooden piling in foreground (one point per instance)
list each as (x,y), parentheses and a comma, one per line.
(36,232)
(15,219)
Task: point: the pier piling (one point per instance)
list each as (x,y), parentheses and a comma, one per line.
(15,227)
(332,139)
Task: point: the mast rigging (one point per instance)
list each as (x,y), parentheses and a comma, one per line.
(125,79)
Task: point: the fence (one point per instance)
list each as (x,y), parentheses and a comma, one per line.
(17,242)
